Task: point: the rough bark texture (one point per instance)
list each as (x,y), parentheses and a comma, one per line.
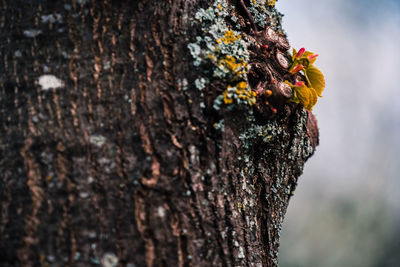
(119,164)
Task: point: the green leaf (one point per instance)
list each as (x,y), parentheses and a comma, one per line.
(306,96)
(294,54)
(316,79)
(313,99)
(303,94)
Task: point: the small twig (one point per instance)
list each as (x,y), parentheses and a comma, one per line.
(250,17)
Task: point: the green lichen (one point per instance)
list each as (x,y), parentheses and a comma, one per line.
(200,83)
(265,14)
(183,84)
(303,149)
(221,52)
(219,125)
(258,10)
(265,133)
(296,146)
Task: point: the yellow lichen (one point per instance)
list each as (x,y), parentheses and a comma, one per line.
(211,57)
(261,4)
(227,97)
(241,85)
(242,91)
(229,37)
(238,69)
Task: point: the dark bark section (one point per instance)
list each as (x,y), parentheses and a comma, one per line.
(120,163)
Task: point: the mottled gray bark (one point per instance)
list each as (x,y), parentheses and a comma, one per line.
(105,157)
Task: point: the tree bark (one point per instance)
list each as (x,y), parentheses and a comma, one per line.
(110,155)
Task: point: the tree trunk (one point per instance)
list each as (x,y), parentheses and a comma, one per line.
(119,144)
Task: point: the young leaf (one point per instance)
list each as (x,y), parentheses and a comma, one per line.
(303,95)
(307,54)
(316,79)
(300,53)
(313,99)
(307,96)
(294,54)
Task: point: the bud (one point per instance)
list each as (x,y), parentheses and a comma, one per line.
(268,92)
(297,69)
(311,57)
(299,84)
(300,53)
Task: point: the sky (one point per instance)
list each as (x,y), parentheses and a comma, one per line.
(357,163)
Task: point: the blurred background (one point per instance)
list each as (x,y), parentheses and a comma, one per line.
(346,209)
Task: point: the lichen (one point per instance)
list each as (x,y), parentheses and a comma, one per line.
(225,50)
(48,81)
(220,52)
(97,140)
(219,125)
(32,33)
(200,83)
(265,14)
(272,132)
(239,93)
(109,260)
(266,133)
(51,18)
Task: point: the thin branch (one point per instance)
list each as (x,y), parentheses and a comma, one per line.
(250,17)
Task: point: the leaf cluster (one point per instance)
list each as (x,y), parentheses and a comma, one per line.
(306,94)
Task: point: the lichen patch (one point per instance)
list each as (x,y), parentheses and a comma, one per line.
(225,50)
(32,33)
(49,81)
(109,260)
(51,18)
(97,140)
